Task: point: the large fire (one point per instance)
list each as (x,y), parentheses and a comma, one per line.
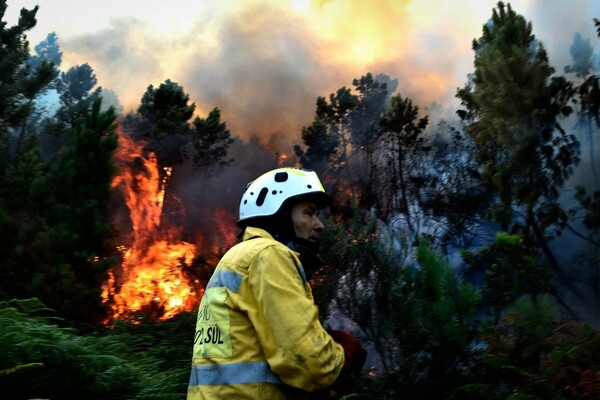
(150,281)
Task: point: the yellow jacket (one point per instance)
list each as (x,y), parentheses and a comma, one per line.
(258,334)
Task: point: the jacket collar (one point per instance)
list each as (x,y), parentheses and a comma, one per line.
(251,232)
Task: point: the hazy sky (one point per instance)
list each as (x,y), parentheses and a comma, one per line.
(264,62)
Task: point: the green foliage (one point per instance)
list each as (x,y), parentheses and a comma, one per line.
(75,195)
(511,111)
(510,272)
(73,366)
(332,126)
(431,332)
(57,227)
(419,317)
(333,253)
(162,354)
(528,352)
(529,355)
(41,359)
(373,99)
(52,218)
(373,96)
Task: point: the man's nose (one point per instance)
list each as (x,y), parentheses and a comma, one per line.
(318,225)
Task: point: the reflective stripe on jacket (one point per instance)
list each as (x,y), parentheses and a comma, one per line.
(258,334)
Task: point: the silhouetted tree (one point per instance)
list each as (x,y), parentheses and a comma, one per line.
(165,110)
(78,91)
(405,147)
(581,52)
(329,141)
(20,83)
(373,98)
(586,99)
(162,120)
(321,145)
(452,192)
(211,140)
(48,50)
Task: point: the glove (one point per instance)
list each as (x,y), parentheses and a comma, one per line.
(355,354)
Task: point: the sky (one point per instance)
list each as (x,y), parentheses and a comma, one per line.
(263,63)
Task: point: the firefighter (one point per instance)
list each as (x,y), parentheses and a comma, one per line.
(258,334)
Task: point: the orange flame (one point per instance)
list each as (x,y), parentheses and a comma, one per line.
(150,280)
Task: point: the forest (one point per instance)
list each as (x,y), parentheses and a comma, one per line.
(464,254)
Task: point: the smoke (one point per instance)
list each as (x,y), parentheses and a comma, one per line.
(264,75)
(121,61)
(264,63)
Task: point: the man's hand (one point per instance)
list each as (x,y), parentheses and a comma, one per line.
(354,352)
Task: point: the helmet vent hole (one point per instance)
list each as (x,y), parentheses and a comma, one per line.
(245,201)
(281,177)
(274,192)
(309,186)
(261,196)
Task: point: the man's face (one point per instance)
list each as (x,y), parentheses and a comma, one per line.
(305,218)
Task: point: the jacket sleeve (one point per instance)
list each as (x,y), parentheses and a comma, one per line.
(297,347)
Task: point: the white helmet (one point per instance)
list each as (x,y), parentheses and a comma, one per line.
(266,194)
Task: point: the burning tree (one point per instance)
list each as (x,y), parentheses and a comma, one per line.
(150,281)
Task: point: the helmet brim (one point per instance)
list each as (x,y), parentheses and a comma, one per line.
(321,199)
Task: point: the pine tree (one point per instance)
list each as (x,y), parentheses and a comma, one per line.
(373,99)
(162,120)
(78,91)
(211,141)
(512,110)
(71,255)
(403,131)
(20,82)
